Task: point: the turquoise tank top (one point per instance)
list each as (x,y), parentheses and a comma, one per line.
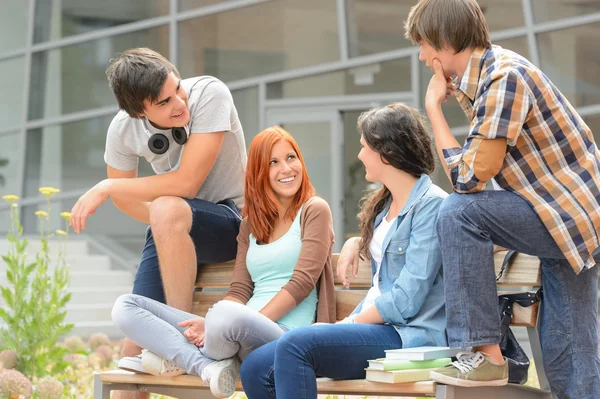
(271,266)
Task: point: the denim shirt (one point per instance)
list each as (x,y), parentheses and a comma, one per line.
(410,278)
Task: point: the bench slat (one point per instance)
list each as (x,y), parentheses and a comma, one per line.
(525,271)
(346,301)
(324,385)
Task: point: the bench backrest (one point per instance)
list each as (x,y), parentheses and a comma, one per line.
(524,272)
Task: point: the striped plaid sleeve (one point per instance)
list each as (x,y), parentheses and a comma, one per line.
(501,112)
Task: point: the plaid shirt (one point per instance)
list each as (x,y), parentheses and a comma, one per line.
(527,136)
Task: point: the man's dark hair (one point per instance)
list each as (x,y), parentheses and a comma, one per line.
(137,75)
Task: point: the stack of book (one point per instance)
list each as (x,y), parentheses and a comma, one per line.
(409,364)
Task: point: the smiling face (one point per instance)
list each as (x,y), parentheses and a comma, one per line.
(372,161)
(171,108)
(285,171)
(427,53)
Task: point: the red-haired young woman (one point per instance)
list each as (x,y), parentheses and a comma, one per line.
(282,278)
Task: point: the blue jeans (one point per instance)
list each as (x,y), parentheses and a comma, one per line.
(214,232)
(468,226)
(287,368)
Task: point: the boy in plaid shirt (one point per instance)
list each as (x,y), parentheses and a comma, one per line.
(526,136)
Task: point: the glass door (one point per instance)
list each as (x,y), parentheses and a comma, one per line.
(319,134)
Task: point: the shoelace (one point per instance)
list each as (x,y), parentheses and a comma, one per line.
(467,361)
(170,366)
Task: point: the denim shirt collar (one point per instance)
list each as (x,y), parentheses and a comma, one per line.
(418,191)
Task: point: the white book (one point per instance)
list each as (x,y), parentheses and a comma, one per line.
(422,353)
(399,376)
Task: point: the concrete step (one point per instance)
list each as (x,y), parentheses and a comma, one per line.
(77,313)
(94,295)
(74,246)
(77,262)
(98,279)
(85,329)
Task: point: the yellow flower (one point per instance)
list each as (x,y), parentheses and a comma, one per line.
(66,215)
(10,197)
(49,191)
(42,214)
(61,233)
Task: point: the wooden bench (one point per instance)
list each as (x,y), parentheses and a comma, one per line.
(524,274)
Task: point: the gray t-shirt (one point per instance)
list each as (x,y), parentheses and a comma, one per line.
(211,110)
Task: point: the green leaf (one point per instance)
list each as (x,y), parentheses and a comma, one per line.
(8,296)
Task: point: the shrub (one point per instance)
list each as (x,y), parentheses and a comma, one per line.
(49,388)
(8,359)
(98,339)
(15,384)
(35,300)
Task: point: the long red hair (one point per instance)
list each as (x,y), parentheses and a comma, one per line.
(261,205)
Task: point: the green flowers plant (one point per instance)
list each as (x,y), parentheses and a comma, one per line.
(35,298)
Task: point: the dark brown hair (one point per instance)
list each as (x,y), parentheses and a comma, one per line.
(458,24)
(136,75)
(398,133)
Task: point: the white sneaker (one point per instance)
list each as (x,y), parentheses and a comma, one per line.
(133,363)
(222,376)
(156,365)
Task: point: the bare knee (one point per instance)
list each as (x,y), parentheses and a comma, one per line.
(169,215)
(129,348)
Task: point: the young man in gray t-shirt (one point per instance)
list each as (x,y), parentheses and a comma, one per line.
(190,133)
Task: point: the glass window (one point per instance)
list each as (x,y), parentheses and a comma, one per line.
(593,122)
(375,26)
(13,25)
(55,19)
(517,44)
(258,40)
(549,10)
(502,15)
(192,4)
(384,77)
(72,78)
(12,78)
(570,59)
(10,152)
(246,103)
(69,156)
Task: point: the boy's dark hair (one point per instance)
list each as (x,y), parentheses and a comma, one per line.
(136,75)
(458,24)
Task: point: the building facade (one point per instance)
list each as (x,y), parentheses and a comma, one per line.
(310,65)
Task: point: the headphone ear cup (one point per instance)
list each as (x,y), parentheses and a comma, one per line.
(158,143)
(179,135)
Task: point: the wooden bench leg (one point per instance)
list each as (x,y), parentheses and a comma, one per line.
(510,391)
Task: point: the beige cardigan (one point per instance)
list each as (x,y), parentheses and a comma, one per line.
(312,269)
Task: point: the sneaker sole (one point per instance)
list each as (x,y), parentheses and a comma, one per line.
(222,385)
(130,366)
(444,379)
